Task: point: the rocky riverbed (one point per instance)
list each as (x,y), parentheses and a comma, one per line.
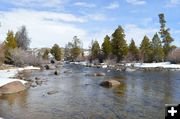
(73,95)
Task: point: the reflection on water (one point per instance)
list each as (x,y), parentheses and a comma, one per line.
(141,95)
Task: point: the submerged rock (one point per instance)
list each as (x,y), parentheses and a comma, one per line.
(52,92)
(96,74)
(100,74)
(110,83)
(13,87)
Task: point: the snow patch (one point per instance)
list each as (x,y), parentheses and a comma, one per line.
(6,76)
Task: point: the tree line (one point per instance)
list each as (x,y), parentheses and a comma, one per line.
(14,50)
(116,47)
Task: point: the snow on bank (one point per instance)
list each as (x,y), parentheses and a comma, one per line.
(6,76)
(167,65)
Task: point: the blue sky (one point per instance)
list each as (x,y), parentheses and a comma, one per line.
(57,21)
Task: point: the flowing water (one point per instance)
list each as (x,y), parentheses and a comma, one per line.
(141,95)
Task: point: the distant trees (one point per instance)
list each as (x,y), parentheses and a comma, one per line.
(56,52)
(165,35)
(145,50)
(157,49)
(76,47)
(23,41)
(73,49)
(95,50)
(67,51)
(106,47)
(133,51)
(120,48)
(45,55)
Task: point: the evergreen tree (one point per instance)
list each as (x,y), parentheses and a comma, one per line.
(10,40)
(56,52)
(158,53)
(165,35)
(46,55)
(106,46)
(95,49)
(10,43)
(133,52)
(146,50)
(76,48)
(119,46)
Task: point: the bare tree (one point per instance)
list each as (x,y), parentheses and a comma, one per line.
(23,41)
(23,58)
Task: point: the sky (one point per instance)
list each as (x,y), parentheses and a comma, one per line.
(57,21)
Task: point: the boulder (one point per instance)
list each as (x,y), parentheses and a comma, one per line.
(110,83)
(13,87)
(47,67)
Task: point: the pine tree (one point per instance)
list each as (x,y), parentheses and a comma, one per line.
(158,53)
(76,48)
(56,52)
(46,55)
(146,50)
(106,46)
(133,52)
(119,46)
(95,49)
(10,40)
(10,43)
(165,35)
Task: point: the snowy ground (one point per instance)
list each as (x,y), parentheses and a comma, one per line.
(167,65)
(6,76)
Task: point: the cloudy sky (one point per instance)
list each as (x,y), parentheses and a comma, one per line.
(57,21)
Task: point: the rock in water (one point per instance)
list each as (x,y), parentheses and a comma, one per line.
(110,83)
(100,74)
(12,87)
(52,92)
(47,67)
(56,72)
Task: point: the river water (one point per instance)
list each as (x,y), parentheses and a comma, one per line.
(141,95)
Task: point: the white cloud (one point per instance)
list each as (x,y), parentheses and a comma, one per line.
(57,4)
(172,3)
(136,2)
(113,5)
(147,21)
(137,33)
(43,33)
(84,4)
(95,17)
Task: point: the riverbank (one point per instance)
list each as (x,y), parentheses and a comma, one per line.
(161,66)
(8,79)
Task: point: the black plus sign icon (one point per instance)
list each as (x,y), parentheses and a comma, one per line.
(172,111)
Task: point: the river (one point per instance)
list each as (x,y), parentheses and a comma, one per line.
(141,95)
